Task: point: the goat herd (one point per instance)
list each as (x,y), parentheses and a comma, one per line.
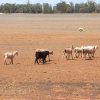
(86,52)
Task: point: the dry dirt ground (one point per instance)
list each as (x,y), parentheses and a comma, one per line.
(59,79)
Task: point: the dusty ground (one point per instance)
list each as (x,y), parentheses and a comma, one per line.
(59,79)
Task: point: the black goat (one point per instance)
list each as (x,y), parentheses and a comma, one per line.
(41,55)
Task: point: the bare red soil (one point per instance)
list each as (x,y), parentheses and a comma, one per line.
(59,79)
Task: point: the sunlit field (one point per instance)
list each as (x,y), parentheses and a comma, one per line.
(59,79)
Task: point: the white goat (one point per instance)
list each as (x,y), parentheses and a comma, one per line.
(81,29)
(85,51)
(78,51)
(89,50)
(9,55)
(68,52)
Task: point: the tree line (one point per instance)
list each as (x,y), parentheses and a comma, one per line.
(61,7)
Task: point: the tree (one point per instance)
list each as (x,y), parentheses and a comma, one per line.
(47,8)
(55,9)
(28,7)
(92,6)
(77,7)
(38,8)
(61,7)
(69,9)
(7,8)
(72,7)
(84,8)
(98,8)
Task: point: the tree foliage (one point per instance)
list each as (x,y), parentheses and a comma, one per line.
(47,8)
(61,7)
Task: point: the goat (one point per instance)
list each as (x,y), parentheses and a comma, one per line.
(68,52)
(41,55)
(9,55)
(81,29)
(42,50)
(90,50)
(78,51)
